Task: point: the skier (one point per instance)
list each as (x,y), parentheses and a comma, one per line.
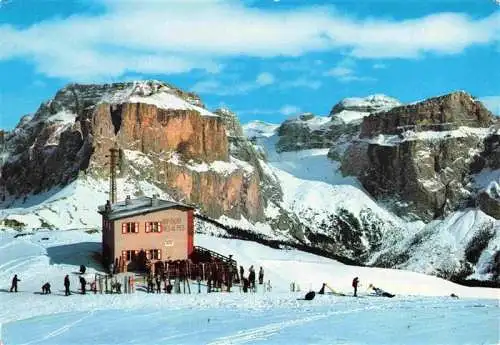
(380,292)
(83,282)
(251,278)
(14,283)
(355,283)
(46,288)
(66,286)
(322,290)
(261,276)
(269,287)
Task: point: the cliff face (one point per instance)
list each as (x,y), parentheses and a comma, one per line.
(73,133)
(439,113)
(422,155)
(147,128)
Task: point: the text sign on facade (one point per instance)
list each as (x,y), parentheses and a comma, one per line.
(173,224)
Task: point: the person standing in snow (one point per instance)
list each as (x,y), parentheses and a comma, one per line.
(14,283)
(261,276)
(242,272)
(355,283)
(251,278)
(66,286)
(83,283)
(322,290)
(158,284)
(150,283)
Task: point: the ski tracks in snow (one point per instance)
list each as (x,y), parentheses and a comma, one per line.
(264,332)
(60,330)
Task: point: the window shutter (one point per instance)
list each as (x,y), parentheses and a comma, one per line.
(148,226)
(124,228)
(159,254)
(136,227)
(124,254)
(160,225)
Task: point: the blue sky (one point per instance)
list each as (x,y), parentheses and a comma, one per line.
(263,59)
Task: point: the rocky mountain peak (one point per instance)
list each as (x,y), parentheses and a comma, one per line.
(438,113)
(368,104)
(231,122)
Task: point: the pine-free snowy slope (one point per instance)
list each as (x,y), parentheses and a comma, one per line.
(235,318)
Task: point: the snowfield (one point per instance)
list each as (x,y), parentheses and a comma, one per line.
(412,317)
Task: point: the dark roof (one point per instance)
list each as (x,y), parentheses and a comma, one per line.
(132,207)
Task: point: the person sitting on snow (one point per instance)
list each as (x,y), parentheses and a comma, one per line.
(380,292)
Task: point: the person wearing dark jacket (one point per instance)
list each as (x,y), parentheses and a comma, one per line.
(83,283)
(158,284)
(355,283)
(322,290)
(251,278)
(261,276)
(46,288)
(66,286)
(14,283)
(242,272)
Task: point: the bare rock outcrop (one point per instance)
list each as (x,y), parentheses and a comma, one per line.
(420,157)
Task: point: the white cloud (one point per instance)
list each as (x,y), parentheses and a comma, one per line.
(344,72)
(289,110)
(265,78)
(492,103)
(230,88)
(178,36)
(301,82)
(340,72)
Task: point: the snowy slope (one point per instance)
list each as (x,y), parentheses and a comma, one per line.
(235,318)
(70,207)
(259,129)
(441,246)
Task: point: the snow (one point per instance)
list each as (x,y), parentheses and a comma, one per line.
(74,206)
(349,116)
(314,123)
(259,129)
(441,244)
(154,93)
(393,140)
(379,102)
(220,167)
(420,312)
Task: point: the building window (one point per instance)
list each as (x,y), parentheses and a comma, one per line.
(129,255)
(153,227)
(130,227)
(153,254)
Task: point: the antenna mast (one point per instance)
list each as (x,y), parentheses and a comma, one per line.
(112,173)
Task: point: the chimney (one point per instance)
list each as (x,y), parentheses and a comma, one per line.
(127,200)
